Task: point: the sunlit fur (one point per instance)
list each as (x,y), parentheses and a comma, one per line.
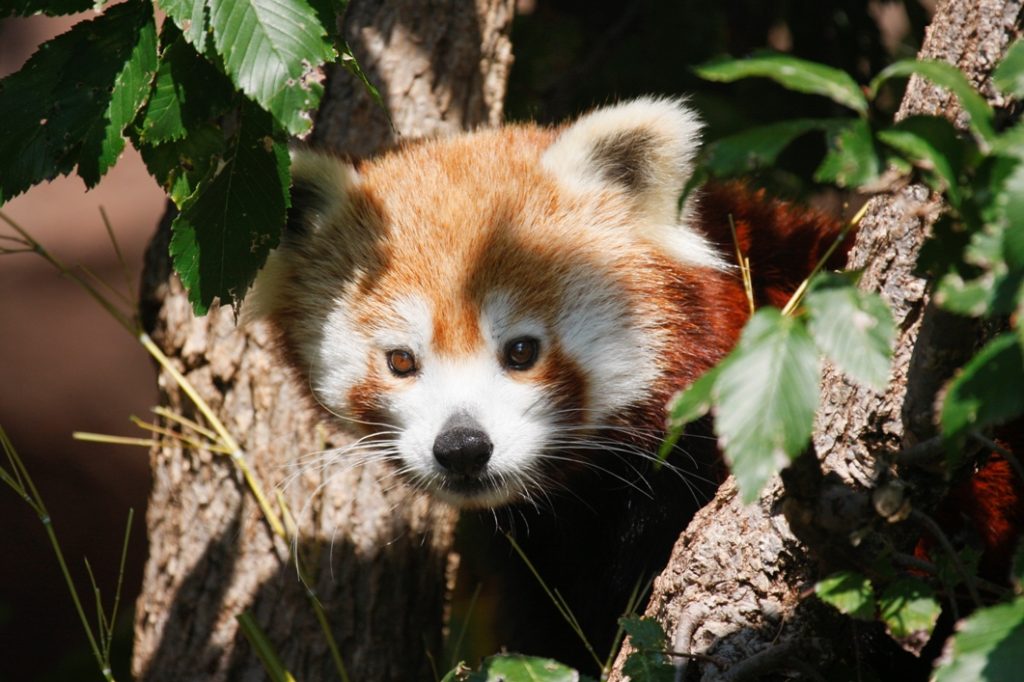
(449,249)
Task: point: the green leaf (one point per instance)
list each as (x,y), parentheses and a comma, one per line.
(1009,75)
(688,405)
(988,390)
(71,101)
(190,17)
(931,143)
(790,72)
(852,160)
(272,50)
(519,668)
(766,396)
(187,91)
(909,609)
(951,78)
(647,662)
(53,8)
(849,592)
(179,166)
(644,632)
(988,646)
(105,139)
(758,147)
(225,230)
(853,328)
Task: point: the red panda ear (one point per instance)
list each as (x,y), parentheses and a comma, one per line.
(320,195)
(320,189)
(644,147)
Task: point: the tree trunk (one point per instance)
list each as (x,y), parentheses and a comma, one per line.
(735,587)
(378,556)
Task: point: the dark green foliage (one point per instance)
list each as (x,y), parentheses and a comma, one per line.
(237,210)
(221,162)
(71,102)
(648,662)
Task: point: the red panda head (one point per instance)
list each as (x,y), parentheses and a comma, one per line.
(483,304)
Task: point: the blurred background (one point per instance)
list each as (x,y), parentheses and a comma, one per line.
(66,366)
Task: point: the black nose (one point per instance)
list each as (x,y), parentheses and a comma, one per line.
(463,447)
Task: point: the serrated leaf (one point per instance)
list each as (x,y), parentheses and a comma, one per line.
(766,396)
(190,17)
(688,405)
(909,610)
(988,646)
(644,632)
(849,592)
(53,8)
(760,146)
(1009,75)
(988,390)
(949,77)
(931,143)
(225,230)
(649,667)
(853,328)
(68,105)
(852,160)
(272,50)
(187,91)
(179,166)
(105,140)
(516,668)
(795,74)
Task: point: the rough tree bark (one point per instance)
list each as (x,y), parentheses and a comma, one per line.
(735,585)
(379,557)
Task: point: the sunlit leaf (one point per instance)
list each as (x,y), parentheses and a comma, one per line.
(1009,75)
(190,17)
(949,77)
(766,396)
(988,646)
(849,592)
(909,610)
(515,667)
(988,390)
(688,405)
(272,50)
(853,328)
(931,143)
(795,74)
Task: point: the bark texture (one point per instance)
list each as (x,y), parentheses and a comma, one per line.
(735,586)
(379,557)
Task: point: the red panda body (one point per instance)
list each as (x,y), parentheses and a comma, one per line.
(506,313)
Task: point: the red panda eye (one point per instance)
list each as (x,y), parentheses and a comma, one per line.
(401,362)
(520,354)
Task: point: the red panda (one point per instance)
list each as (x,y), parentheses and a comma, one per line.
(505,314)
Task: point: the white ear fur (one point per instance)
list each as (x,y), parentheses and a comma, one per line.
(645,147)
(319,195)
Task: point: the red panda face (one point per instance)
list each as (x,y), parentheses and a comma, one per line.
(483,305)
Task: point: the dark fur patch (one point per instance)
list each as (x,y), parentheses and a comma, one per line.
(305,201)
(623,158)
